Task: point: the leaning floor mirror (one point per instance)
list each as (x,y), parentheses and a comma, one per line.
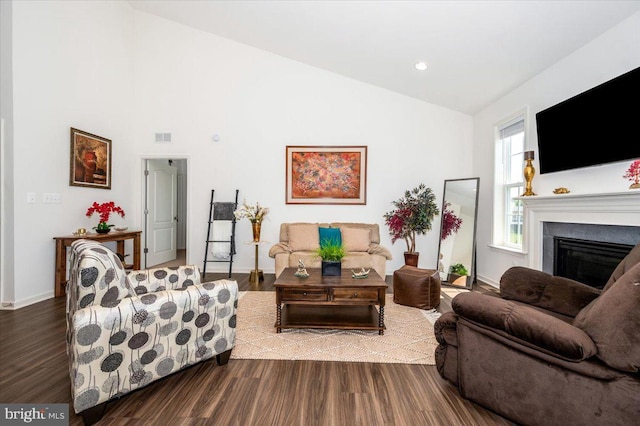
(456,262)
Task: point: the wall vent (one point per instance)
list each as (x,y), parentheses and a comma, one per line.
(163,137)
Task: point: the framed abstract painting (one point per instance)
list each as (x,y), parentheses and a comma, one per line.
(90,162)
(326,175)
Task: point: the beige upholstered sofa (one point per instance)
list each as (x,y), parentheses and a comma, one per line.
(361,241)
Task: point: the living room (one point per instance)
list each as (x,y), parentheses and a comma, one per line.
(116,71)
(215,85)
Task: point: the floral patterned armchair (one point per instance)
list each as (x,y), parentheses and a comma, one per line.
(124,331)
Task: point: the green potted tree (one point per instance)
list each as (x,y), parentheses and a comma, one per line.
(413,215)
(331,251)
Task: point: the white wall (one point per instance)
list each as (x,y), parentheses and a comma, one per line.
(6,154)
(71,68)
(194,84)
(613,53)
(125,75)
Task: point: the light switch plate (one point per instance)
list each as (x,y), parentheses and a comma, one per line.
(51,198)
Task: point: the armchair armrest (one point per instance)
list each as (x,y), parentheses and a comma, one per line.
(537,288)
(526,325)
(119,349)
(159,279)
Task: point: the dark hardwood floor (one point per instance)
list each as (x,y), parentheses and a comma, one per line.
(34,369)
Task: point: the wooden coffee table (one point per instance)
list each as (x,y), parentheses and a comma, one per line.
(330,302)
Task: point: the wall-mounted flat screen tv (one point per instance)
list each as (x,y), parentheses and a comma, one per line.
(596,127)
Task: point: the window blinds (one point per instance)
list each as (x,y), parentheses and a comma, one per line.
(512,129)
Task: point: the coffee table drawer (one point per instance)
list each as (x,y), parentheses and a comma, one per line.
(355,294)
(301,295)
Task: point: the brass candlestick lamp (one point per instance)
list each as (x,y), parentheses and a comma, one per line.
(529,171)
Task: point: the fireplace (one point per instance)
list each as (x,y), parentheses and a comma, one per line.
(607,217)
(589,262)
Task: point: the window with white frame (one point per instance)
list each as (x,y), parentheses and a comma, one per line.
(509,183)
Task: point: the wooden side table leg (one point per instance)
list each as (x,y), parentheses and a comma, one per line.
(136,252)
(120,250)
(381,321)
(278,318)
(60,269)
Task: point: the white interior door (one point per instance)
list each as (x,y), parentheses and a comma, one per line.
(161,217)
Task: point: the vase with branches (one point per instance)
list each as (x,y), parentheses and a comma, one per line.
(255,213)
(412,215)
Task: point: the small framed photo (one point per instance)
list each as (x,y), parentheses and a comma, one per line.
(90,163)
(326,175)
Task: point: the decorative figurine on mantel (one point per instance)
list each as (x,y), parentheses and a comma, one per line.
(561,190)
(302,270)
(633,174)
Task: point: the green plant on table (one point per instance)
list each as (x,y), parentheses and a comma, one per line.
(330,250)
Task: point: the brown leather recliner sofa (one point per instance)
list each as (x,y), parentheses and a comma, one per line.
(549,350)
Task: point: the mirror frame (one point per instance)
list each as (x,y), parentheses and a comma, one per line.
(471,278)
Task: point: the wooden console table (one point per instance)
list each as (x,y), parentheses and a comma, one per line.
(63,242)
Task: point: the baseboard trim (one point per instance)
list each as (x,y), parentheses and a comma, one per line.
(28,301)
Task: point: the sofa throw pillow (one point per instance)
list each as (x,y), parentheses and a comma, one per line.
(329,235)
(627,263)
(356,239)
(304,236)
(613,320)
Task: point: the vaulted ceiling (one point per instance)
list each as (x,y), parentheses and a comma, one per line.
(475,51)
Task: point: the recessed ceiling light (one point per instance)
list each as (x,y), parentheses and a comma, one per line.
(421,66)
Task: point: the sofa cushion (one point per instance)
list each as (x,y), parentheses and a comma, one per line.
(613,320)
(627,263)
(540,289)
(309,258)
(160,279)
(373,227)
(329,235)
(356,239)
(356,260)
(304,236)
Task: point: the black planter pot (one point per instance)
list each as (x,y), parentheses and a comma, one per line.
(331,268)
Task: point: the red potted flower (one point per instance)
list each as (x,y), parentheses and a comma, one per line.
(104,210)
(633,174)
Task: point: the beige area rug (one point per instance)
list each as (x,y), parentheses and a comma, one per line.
(408,339)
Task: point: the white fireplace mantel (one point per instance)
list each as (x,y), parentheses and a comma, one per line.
(611,208)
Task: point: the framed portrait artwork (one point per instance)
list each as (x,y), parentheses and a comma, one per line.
(90,163)
(326,175)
